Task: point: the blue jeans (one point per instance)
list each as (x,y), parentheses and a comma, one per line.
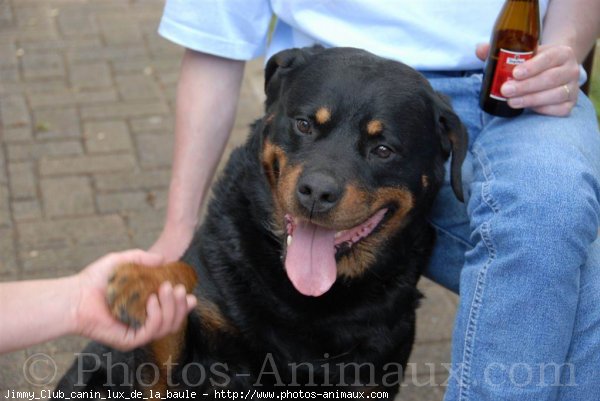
(523,253)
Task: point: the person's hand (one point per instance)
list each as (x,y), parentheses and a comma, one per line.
(548,83)
(172,242)
(166,311)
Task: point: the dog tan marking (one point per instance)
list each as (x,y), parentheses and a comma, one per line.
(374,127)
(273,160)
(286,188)
(212,318)
(323,115)
(363,254)
(425,181)
(127,295)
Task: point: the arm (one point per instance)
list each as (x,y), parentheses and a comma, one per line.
(206,103)
(573,23)
(32,312)
(548,83)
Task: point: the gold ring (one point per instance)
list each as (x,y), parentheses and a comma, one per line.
(566,88)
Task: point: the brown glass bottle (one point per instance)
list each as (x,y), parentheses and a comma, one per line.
(514,40)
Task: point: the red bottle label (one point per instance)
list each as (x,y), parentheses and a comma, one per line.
(507,60)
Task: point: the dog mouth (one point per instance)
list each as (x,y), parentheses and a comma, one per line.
(312,251)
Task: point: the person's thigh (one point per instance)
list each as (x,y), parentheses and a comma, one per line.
(531,216)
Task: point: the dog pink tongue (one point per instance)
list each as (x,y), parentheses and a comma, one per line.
(310,259)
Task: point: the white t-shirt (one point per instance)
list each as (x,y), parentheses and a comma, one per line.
(438,35)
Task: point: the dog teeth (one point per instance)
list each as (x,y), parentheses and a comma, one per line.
(289,240)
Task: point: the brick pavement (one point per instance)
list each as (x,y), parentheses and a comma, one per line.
(86,103)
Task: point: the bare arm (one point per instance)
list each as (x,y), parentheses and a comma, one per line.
(207,97)
(32,312)
(573,23)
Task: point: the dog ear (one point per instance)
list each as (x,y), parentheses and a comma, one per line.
(454,139)
(280,64)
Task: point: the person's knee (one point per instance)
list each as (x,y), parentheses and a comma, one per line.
(559,196)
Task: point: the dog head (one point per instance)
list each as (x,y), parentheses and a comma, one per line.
(353,147)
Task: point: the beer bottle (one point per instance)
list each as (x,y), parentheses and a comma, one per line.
(514,41)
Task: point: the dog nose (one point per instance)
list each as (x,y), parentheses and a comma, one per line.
(318,192)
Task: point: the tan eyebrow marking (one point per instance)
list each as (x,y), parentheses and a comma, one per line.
(323,115)
(374,127)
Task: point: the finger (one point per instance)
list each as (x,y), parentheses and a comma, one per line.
(544,98)
(482,51)
(153,321)
(167,306)
(546,58)
(191,302)
(179,295)
(556,110)
(552,78)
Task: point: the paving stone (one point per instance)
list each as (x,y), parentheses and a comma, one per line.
(87,164)
(8,50)
(119,29)
(144,125)
(37,150)
(3,168)
(56,123)
(94,230)
(66,258)
(435,317)
(17,134)
(55,45)
(105,54)
(120,201)
(25,210)
(67,196)
(422,389)
(71,97)
(148,179)
(37,17)
(77,22)
(22,180)
(160,47)
(159,198)
(9,75)
(106,136)
(31,87)
(429,358)
(42,66)
(141,63)
(8,261)
(138,87)
(5,214)
(144,226)
(123,110)
(90,75)
(6,14)
(155,150)
(14,112)
(12,378)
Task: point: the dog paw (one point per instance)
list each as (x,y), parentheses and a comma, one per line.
(128,292)
(132,284)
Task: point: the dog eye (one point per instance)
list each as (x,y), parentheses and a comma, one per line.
(382,151)
(303,126)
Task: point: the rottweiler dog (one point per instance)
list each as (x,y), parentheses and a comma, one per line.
(307,262)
